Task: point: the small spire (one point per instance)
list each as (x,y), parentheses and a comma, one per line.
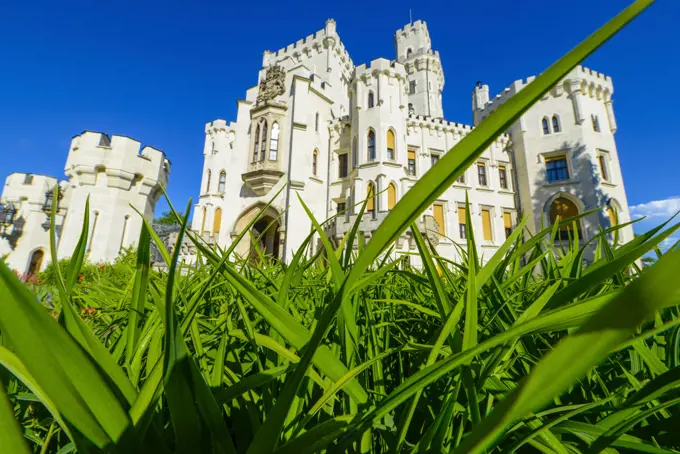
(410,17)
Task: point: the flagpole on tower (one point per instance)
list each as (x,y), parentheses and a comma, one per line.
(410,17)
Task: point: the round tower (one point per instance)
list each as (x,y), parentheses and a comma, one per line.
(424,68)
(118,179)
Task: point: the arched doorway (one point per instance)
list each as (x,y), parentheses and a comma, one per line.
(264,236)
(36,261)
(560,210)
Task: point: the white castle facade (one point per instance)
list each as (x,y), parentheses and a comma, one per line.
(318,128)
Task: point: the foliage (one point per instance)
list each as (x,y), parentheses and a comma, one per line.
(347,350)
(167,218)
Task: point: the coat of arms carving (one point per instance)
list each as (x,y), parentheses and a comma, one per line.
(273,84)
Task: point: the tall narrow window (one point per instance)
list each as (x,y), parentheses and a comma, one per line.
(274,142)
(603,167)
(122,237)
(371,145)
(462,224)
(217,222)
(560,210)
(371,100)
(391,196)
(438,210)
(486,225)
(412,162)
(94,229)
(341,207)
(546,126)
(409,53)
(315,161)
(507,223)
(555,123)
(481,173)
(355,154)
(343,165)
(205,215)
(596,123)
(370,195)
(434,159)
(263,144)
(390,145)
(412,87)
(256,148)
(221,186)
(207,185)
(461,178)
(316,122)
(611,213)
(556,168)
(503,177)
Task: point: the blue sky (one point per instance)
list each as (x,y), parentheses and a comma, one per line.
(158,71)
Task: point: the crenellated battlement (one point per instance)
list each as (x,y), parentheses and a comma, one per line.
(219,125)
(419,26)
(423,121)
(305,46)
(382,66)
(27,187)
(591,83)
(120,158)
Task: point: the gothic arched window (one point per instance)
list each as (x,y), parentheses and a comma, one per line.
(274,142)
(371,145)
(409,52)
(223,182)
(556,123)
(546,125)
(315,162)
(560,210)
(391,196)
(207,185)
(256,148)
(217,222)
(263,141)
(370,196)
(390,145)
(371,100)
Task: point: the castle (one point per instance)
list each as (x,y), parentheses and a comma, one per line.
(318,128)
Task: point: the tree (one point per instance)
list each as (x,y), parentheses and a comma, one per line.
(167,218)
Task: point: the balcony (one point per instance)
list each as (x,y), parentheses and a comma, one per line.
(262,176)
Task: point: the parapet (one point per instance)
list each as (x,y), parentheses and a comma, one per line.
(93,152)
(424,121)
(419,26)
(28,187)
(382,65)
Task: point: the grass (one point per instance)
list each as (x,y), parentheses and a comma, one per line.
(348,351)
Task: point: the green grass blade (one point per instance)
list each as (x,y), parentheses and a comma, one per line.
(11,434)
(139,288)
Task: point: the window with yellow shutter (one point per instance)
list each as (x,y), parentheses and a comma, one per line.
(612,216)
(391,196)
(390,145)
(370,195)
(486,225)
(412,162)
(507,223)
(439,217)
(462,225)
(217,222)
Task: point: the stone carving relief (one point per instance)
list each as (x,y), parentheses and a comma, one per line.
(273,85)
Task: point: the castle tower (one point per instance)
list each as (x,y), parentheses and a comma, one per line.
(27,240)
(566,157)
(378,128)
(116,177)
(424,68)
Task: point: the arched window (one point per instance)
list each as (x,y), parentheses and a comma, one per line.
(316,122)
(564,209)
(36,262)
(355,154)
(411,110)
(274,142)
(207,186)
(205,215)
(546,125)
(263,146)
(556,123)
(256,148)
(223,182)
(611,213)
(391,196)
(409,52)
(390,145)
(315,162)
(217,222)
(370,195)
(371,101)
(371,145)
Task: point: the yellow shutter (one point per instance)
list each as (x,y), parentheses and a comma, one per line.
(391,196)
(507,220)
(412,154)
(612,216)
(439,217)
(217,222)
(461,215)
(486,224)
(370,195)
(390,139)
